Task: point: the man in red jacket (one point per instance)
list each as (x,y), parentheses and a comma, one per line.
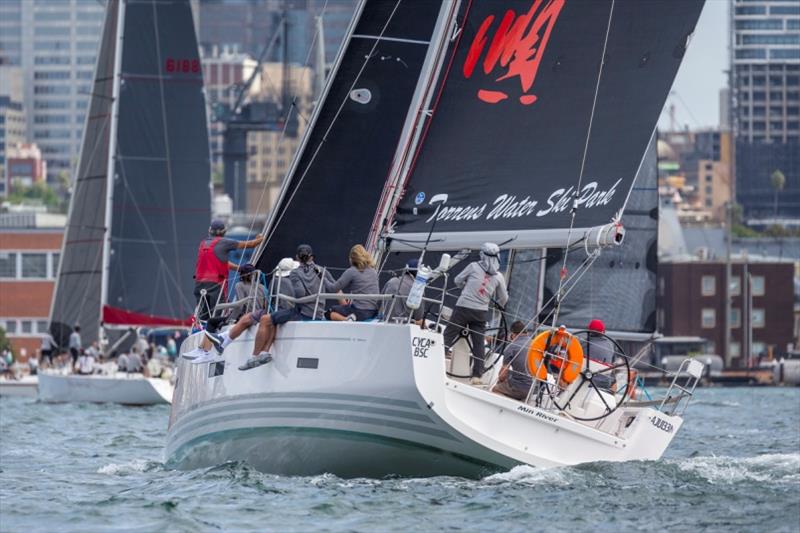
(211,271)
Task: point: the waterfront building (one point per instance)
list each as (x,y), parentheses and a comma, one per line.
(30,248)
(24,166)
(12,132)
(765,111)
(691,302)
(54,42)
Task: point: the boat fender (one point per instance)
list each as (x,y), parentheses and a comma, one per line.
(561,341)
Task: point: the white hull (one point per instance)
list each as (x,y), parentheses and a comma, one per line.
(350,399)
(126,389)
(25,387)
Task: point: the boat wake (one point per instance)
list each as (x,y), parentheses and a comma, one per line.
(768,468)
(136,466)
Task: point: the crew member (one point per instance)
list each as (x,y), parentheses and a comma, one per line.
(75,344)
(480,283)
(360,278)
(600,349)
(212,267)
(514,380)
(399,287)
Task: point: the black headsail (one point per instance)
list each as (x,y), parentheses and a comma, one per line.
(332,190)
(529,117)
(142,200)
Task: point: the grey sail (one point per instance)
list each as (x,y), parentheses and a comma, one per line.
(77,298)
(161,198)
(621,275)
(130,246)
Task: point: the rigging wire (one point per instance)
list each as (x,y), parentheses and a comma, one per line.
(558,295)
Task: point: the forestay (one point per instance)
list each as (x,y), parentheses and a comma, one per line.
(528,117)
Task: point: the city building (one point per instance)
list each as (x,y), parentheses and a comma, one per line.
(765,110)
(24,166)
(55,43)
(691,302)
(12,132)
(30,247)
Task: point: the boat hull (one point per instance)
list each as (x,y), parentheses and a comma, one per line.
(25,387)
(369,399)
(133,389)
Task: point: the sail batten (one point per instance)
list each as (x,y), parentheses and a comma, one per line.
(535,124)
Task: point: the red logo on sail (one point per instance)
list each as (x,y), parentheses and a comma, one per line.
(516,48)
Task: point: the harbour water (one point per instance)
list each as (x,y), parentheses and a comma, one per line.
(735,466)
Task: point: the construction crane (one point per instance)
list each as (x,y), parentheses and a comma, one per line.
(244,117)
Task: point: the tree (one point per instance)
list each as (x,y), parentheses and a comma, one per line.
(5,344)
(778,182)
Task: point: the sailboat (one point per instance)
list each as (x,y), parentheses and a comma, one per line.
(141,198)
(521,122)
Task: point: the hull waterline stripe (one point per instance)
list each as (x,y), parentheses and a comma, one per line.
(226,435)
(378,423)
(271,404)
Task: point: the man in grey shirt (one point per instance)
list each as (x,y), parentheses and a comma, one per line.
(481,282)
(515,380)
(75,344)
(400,286)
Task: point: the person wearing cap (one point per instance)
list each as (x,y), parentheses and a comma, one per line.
(360,278)
(75,345)
(481,282)
(399,286)
(246,288)
(305,279)
(600,349)
(514,380)
(211,271)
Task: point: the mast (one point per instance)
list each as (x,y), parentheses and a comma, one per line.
(112,157)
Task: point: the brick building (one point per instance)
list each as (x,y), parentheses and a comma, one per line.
(30,248)
(692,302)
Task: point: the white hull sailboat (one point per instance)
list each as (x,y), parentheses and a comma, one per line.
(373,399)
(520,122)
(25,386)
(121,388)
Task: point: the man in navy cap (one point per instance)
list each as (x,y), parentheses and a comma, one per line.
(399,286)
(211,271)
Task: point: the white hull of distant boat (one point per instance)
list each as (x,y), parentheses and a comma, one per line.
(373,399)
(121,388)
(25,387)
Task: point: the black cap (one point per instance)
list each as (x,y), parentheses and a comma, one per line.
(412,264)
(246,269)
(304,249)
(217,225)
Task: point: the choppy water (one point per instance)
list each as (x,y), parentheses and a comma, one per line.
(734,466)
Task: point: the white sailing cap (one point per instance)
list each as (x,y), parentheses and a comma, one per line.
(286,265)
(490,249)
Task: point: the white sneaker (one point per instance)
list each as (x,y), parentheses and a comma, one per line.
(194,354)
(475,381)
(207,357)
(352,317)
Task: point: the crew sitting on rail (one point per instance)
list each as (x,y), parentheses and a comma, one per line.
(360,278)
(85,364)
(399,287)
(600,349)
(248,285)
(480,282)
(515,381)
(211,271)
(305,280)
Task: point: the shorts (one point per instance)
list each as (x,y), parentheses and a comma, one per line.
(507,390)
(281,316)
(349,309)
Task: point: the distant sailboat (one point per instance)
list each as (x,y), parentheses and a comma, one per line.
(141,198)
(522,122)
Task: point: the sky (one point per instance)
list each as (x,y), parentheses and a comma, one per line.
(695,92)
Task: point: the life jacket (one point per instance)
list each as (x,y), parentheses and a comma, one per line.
(209,267)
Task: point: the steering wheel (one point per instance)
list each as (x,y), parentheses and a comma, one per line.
(587,379)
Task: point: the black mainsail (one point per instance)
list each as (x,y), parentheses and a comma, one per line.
(331,192)
(141,199)
(542,105)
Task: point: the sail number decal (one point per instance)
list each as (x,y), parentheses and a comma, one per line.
(420,346)
(662,424)
(185,66)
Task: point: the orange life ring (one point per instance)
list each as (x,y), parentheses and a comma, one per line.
(561,341)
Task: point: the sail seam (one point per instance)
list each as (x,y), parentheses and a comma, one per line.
(393,39)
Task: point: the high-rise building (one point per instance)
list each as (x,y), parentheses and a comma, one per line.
(12,132)
(55,43)
(766,106)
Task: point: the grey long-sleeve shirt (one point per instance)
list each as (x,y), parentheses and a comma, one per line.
(478,288)
(306,280)
(400,286)
(355,281)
